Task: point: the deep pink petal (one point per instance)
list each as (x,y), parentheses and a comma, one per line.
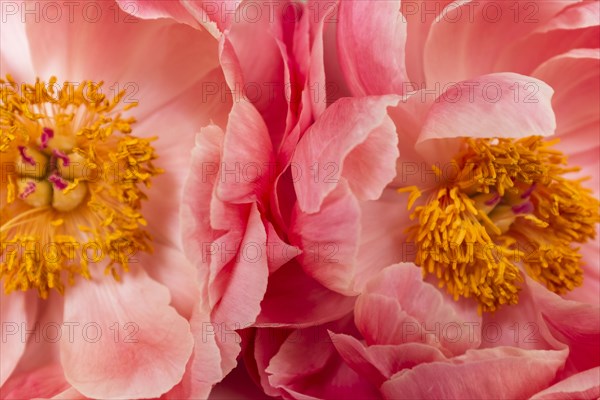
(296,300)
(308,366)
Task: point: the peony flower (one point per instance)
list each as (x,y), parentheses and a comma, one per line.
(97,118)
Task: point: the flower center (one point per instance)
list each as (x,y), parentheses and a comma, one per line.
(70,193)
(508,205)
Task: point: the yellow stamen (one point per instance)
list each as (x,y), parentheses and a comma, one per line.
(509,207)
(81,206)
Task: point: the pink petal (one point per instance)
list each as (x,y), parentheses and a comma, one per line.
(575,324)
(379,362)
(178,58)
(499,373)
(383,240)
(574,76)
(468,37)
(174,271)
(17,314)
(457,112)
(150,352)
(150,9)
(295,299)
(371,43)
(214,355)
(398,307)
(245,278)
(353,135)
(247,162)
(308,366)
(585,385)
(329,239)
(15,57)
(575,27)
(46,381)
(199,187)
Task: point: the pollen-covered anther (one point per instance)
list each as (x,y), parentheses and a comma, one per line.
(509,209)
(34,192)
(74,182)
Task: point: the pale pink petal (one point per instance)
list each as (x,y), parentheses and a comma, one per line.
(17,313)
(468,36)
(215,351)
(371,44)
(499,373)
(419,15)
(296,300)
(514,106)
(199,187)
(149,355)
(583,386)
(329,239)
(399,307)
(15,57)
(174,271)
(45,381)
(575,78)
(575,27)
(521,325)
(350,129)
(151,9)
(167,58)
(588,292)
(383,240)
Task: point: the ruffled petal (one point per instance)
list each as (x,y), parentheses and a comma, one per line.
(329,240)
(295,299)
(352,136)
(399,307)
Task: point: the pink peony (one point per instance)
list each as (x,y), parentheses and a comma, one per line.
(67,329)
(535,340)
